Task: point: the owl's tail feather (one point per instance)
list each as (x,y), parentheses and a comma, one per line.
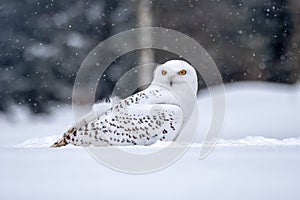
(59,143)
(63,142)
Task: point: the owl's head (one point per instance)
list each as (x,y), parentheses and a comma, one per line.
(176,74)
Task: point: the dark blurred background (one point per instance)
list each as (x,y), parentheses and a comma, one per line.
(43,43)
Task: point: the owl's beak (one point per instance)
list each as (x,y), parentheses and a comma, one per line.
(171,80)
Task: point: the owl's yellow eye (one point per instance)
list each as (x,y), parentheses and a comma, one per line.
(182,72)
(163,72)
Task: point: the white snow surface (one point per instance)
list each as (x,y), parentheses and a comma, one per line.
(257,156)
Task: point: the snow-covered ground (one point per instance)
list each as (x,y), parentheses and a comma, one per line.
(257,157)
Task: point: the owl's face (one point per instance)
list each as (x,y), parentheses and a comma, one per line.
(176,72)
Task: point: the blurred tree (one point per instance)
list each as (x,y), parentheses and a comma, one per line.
(272,20)
(249,40)
(43,43)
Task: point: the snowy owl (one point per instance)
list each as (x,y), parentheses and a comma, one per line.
(157,113)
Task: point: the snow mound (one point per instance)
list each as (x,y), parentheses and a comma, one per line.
(259,142)
(47,141)
(38,142)
(253,110)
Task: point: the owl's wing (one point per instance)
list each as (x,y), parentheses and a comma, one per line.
(141,124)
(137,124)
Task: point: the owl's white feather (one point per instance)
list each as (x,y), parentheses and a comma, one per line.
(156,113)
